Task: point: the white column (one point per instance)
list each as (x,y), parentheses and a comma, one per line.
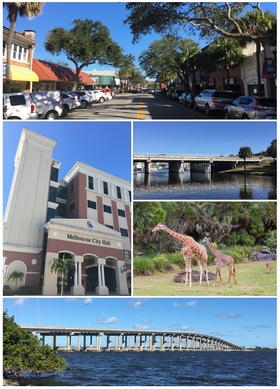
(99,276)
(103,275)
(75,275)
(80,274)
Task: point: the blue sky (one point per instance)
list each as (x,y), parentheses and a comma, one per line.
(103,145)
(112,15)
(201,138)
(244,321)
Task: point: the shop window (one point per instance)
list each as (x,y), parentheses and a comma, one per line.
(107,225)
(127,254)
(72,206)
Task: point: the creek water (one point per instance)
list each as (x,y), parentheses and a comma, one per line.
(162,185)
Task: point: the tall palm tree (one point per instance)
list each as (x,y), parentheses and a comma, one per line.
(15,276)
(227,52)
(245,152)
(60,267)
(30,10)
(259,22)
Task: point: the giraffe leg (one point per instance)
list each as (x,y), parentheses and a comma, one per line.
(215,277)
(233,273)
(201,270)
(206,271)
(221,282)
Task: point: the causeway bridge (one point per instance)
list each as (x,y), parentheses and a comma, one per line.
(89,339)
(197,163)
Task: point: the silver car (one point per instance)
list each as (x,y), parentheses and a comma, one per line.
(213,100)
(248,107)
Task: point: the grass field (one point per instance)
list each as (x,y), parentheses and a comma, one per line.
(253,279)
(265,168)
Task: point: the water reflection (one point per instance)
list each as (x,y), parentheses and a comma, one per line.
(162,184)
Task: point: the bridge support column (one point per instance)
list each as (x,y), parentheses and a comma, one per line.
(85,342)
(68,342)
(147,167)
(79,342)
(175,166)
(54,342)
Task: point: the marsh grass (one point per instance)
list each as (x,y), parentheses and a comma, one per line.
(253,279)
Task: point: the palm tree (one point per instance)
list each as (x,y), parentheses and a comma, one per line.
(205,63)
(30,10)
(227,52)
(245,152)
(259,22)
(61,266)
(15,276)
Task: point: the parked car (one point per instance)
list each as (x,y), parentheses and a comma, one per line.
(181,97)
(169,94)
(19,105)
(189,99)
(68,102)
(251,107)
(76,97)
(86,98)
(176,94)
(107,91)
(49,105)
(100,96)
(213,100)
(151,91)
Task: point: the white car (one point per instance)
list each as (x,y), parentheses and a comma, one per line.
(69,103)
(85,97)
(19,105)
(49,105)
(100,96)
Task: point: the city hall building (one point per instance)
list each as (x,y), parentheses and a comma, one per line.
(86,217)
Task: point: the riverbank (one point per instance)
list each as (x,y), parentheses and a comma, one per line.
(264,168)
(8,382)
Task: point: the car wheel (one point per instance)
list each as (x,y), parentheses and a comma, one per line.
(195,106)
(245,116)
(65,110)
(84,104)
(226,114)
(101,100)
(51,115)
(207,109)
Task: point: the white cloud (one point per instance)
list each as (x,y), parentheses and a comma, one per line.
(173,325)
(88,301)
(191,304)
(184,328)
(19,302)
(137,305)
(141,327)
(177,305)
(110,320)
(227,316)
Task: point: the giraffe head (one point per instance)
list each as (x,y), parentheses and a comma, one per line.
(205,240)
(158,227)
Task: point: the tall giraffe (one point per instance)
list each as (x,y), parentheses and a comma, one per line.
(220,259)
(191,249)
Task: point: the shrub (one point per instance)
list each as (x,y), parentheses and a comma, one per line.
(28,290)
(143,265)
(176,258)
(161,263)
(7,291)
(270,241)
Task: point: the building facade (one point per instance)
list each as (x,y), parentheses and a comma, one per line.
(22,48)
(85,217)
(104,78)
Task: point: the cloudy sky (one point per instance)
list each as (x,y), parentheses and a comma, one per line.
(246,322)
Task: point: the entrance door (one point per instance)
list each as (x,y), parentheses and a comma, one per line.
(92,278)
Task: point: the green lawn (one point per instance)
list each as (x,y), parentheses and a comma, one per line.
(253,279)
(264,168)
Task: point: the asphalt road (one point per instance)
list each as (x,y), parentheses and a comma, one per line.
(140,106)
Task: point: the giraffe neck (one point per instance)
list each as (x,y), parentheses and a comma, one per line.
(175,235)
(212,249)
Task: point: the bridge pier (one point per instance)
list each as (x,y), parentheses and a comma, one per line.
(176,166)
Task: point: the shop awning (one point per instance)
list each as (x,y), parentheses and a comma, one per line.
(20,74)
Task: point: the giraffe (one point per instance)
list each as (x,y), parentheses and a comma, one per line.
(191,249)
(220,259)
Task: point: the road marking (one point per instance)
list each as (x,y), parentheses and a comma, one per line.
(140,113)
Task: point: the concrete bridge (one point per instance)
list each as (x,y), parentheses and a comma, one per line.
(133,340)
(197,163)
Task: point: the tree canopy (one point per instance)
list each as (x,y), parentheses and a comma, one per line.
(272,149)
(23,352)
(245,152)
(60,267)
(208,19)
(88,42)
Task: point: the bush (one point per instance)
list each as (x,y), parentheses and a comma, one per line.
(7,291)
(270,241)
(240,238)
(28,290)
(176,258)
(143,265)
(161,263)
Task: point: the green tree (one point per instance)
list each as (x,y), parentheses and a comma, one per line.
(272,149)
(226,52)
(245,152)
(60,267)
(24,353)
(86,43)
(258,24)
(30,9)
(208,19)
(15,276)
